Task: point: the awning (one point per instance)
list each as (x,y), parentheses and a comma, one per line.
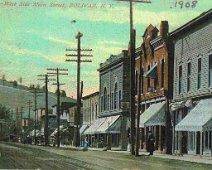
(198,119)
(32,133)
(55,131)
(154,115)
(110,125)
(83,128)
(94,126)
(177,105)
(152,72)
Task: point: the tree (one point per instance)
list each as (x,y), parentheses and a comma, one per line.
(3,78)
(63,93)
(38,86)
(20,80)
(15,83)
(7,122)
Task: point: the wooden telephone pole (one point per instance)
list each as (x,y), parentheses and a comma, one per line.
(46,80)
(132,73)
(36,94)
(57,72)
(79,94)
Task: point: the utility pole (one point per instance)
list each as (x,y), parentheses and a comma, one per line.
(46,120)
(29,105)
(79,94)
(36,94)
(132,73)
(21,117)
(139,106)
(57,72)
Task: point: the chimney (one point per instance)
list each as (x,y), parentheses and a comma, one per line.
(164,29)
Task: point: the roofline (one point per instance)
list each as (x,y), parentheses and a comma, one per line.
(91,95)
(204,17)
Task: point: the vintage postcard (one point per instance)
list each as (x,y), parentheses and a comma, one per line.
(106,84)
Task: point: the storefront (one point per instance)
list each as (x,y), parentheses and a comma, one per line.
(103,131)
(154,119)
(196,126)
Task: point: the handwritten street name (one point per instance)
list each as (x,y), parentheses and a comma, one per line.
(55,5)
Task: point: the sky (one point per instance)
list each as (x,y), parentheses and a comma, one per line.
(34,38)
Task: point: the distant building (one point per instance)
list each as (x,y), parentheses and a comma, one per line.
(90,108)
(111,126)
(192,96)
(156,55)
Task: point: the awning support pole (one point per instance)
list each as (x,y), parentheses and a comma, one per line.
(200,142)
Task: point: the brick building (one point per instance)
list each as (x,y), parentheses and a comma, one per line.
(192,97)
(156,55)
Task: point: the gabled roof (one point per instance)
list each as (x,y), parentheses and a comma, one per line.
(204,17)
(150,28)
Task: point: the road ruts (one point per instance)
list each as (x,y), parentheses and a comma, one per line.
(22,157)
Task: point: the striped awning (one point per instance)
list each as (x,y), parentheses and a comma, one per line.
(198,119)
(94,126)
(110,125)
(83,128)
(154,115)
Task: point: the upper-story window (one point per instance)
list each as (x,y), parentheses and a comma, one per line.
(199,73)
(105,98)
(119,98)
(148,79)
(180,80)
(189,77)
(116,96)
(102,103)
(162,73)
(142,81)
(210,71)
(136,82)
(96,110)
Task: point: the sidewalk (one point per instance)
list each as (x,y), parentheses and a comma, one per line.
(188,158)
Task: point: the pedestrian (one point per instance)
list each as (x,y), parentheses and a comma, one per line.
(183,144)
(85,144)
(150,143)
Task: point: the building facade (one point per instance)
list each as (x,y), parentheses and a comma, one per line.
(90,108)
(154,63)
(111,126)
(90,113)
(192,97)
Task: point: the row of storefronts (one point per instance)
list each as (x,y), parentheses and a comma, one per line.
(175,71)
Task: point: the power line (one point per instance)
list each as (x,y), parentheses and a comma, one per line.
(46,120)
(57,72)
(79,89)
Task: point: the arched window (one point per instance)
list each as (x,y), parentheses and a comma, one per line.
(105,98)
(115,96)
